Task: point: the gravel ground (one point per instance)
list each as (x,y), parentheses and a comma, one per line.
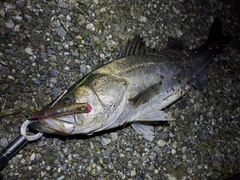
(46,46)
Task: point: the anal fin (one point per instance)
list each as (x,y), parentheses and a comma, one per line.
(147,131)
(143,124)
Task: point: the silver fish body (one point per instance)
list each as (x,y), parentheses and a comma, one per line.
(131,89)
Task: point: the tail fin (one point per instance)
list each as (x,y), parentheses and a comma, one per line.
(216,39)
(213,46)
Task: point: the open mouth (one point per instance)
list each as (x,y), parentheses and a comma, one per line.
(58,119)
(64,125)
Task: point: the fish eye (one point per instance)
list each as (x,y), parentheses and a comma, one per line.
(66,101)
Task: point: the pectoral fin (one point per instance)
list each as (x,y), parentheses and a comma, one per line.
(156,116)
(144,129)
(146,95)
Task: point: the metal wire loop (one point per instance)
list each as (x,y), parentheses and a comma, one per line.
(23,132)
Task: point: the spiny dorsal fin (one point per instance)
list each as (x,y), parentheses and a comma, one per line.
(134,47)
(175,44)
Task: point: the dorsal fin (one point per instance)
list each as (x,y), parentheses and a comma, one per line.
(134,47)
(175,44)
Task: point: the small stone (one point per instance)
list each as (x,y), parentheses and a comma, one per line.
(171,177)
(143,19)
(165,136)
(184,149)
(184,157)
(28,50)
(62,4)
(23,161)
(174,145)
(171,135)
(66,68)
(61,177)
(90,26)
(17,19)
(161,143)
(2,12)
(105,141)
(24,104)
(133,173)
(83,68)
(192,100)
(53,80)
(3,87)
(175,10)
(173,151)
(16,28)
(54,72)
(96,1)
(61,32)
(28,18)
(21,3)
(57,92)
(114,136)
(9,24)
(179,32)
(3,142)
(32,157)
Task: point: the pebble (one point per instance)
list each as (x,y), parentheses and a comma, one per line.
(173,151)
(29,50)
(61,32)
(32,157)
(54,72)
(9,23)
(61,177)
(133,173)
(57,92)
(114,136)
(161,143)
(90,27)
(105,141)
(179,32)
(2,12)
(3,142)
(143,19)
(17,19)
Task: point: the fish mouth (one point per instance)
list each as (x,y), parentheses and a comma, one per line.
(62,126)
(58,119)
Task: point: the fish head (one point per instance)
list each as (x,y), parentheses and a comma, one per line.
(70,112)
(85,114)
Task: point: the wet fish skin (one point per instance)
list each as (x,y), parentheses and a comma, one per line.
(133,89)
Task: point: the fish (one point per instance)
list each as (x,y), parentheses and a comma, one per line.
(133,89)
